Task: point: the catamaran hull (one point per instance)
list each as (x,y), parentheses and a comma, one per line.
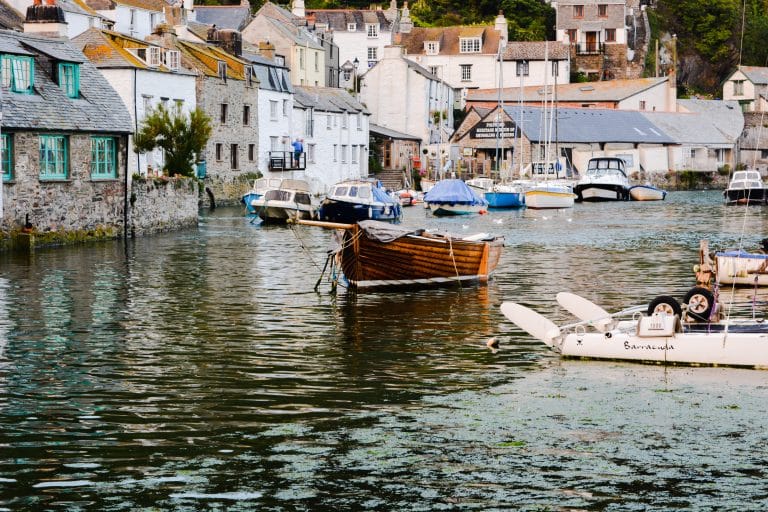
(601,192)
(689,348)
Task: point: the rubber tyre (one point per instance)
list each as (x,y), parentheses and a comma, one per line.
(700,303)
(666,304)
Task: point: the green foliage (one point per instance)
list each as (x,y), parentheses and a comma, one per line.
(182,136)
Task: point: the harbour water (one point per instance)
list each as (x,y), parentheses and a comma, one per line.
(200,370)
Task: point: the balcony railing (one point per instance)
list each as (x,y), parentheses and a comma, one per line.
(286,161)
(589,48)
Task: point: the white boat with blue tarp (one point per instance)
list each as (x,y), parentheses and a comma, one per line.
(454,197)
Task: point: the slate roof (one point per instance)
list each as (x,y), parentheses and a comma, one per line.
(274,11)
(535,50)
(757,75)
(390,133)
(271,76)
(586,126)
(449,37)
(298,35)
(10,18)
(327,99)
(689,128)
(604,91)
(234,17)
(338,19)
(726,116)
(99,109)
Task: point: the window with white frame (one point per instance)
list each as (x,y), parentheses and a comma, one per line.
(720,156)
(301,58)
(466,72)
(311,153)
(373,55)
(285,108)
(273,110)
(274,143)
(354,153)
(555,68)
(359,117)
(351,27)
(738,87)
(344,148)
(435,70)
(431,47)
(469,45)
(335,152)
(317,61)
(521,68)
(329,121)
(372,29)
(153,56)
(172,59)
(344,120)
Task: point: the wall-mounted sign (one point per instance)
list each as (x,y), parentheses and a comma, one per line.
(467,151)
(493,130)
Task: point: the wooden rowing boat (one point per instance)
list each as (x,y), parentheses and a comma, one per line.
(377,254)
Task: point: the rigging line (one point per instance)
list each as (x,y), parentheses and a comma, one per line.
(303,247)
(743,21)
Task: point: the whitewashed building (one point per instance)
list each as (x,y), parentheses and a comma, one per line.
(136,18)
(78,16)
(144,75)
(749,86)
(335,129)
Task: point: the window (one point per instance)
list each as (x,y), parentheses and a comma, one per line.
(53,157)
(466,72)
(343,153)
(351,27)
(172,59)
(223,70)
(329,121)
(309,129)
(521,68)
(578,11)
(572,33)
(373,55)
(285,108)
(219,152)
(432,47)
(273,144)
(354,153)
(347,75)
(233,156)
(344,120)
(469,45)
(224,109)
(359,117)
(720,153)
(18,73)
(152,20)
(133,19)
(311,153)
(555,68)
(273,110)
(317,61)
(147,103)
(69,79)
(602,10)
(738,87)
(642,104)
(372,29)
(7,157)
(103,158)
(154,56)
(301,58)
(251,152)
(435,70)
(246,115)
(610,35)
(249,76)
(335,152)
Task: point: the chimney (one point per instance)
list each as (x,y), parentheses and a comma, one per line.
(501,25)
(405,20)
(231,42)
(45,20)
(297,8)
(267,50)
(163,35)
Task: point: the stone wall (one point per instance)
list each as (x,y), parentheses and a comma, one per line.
(61,211)
(163,204)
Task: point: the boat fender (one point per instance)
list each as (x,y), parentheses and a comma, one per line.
(370,212)
(609,335)
(482,212)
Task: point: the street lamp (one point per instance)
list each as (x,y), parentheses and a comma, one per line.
(355,63)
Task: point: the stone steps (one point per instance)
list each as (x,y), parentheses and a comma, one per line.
(391,178)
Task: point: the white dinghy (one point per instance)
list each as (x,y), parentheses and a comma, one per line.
(654,334)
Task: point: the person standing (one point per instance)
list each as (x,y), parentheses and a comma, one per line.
(298,149)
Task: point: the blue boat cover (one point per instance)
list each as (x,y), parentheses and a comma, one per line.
(454,192)
(380,194)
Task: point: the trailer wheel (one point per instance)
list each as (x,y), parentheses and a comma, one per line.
(665,304)
(700,303)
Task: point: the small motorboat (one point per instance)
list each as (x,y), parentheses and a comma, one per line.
(260,186)
(605,180)
(659,333)
(505,196)
(646,192)
(454,197)
(746,187)
(290,201)
(361,199)
(549,195)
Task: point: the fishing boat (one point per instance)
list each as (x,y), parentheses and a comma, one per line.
(652,335)
(355,200)
(375,254)
(260,186)
(549,195)
(746,187)
(605,180)
(289,201)
(646,192)
(454,197)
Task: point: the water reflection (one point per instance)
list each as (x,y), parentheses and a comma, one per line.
(201,370)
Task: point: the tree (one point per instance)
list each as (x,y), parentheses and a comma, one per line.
(182,136)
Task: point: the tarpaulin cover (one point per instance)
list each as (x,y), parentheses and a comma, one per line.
(453,192)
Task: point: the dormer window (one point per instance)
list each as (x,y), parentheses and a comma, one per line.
(432,47)
(18,73)
(248,76)
(469,45)
(223,70)
(69,79)
(351,27)
(172,58)
(372,29)
(153,56)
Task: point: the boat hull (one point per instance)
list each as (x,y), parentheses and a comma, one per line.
(741,269)
(505,199)
(346,212)
(547,199)
(745,349)
(746,196)
(275,213)
(416,260)
(646,193)
(248,199)
(455,209)
(594,192)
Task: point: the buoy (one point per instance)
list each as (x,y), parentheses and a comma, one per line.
(482,212)
(492,343)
